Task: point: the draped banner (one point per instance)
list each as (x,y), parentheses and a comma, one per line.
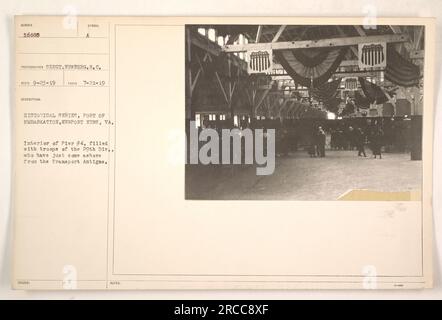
(332,104)
(348,109)
(373,92)
(311,67)
(361,100)
(401,71)
(326,91)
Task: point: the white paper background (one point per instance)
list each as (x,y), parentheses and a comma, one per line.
(9,8)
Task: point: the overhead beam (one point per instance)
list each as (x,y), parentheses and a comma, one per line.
(271,31)
(258,34)
(417,54)
(278,34)
(344,74)
(361,73)
(418,36)
(396,29)
(305,44)
(361,32)
(213,48)
(349,63)
(205,44)
(353,49)
(232,39)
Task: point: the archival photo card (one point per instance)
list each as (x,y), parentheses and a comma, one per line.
(223,153)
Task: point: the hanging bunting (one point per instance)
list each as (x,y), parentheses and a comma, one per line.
(332,104)
(361,100)
(311,67)
(326,91)
(373,92)
(348,109)
(401,71)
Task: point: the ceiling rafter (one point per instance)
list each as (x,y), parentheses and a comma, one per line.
(321,43)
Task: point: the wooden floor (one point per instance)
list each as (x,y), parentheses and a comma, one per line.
(299,177)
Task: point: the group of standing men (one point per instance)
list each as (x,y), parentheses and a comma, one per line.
(354,138)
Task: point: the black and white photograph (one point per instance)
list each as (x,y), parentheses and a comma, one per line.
(223,155)
(303,112)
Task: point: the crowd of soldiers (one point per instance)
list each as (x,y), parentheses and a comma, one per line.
(351,138)
(348,138)
(317,136)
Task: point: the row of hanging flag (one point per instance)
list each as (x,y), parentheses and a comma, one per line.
(314,67)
